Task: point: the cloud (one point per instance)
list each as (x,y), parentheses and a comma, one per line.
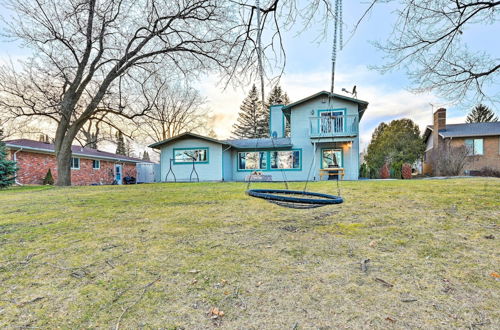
(385,103)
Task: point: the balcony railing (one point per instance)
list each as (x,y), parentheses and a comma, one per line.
(330,126)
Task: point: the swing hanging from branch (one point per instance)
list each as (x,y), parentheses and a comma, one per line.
(298,199)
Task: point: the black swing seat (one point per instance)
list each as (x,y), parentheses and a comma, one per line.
(294,198)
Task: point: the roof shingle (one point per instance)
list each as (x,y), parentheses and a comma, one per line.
(76,150)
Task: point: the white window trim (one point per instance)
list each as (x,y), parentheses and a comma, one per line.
(474,147)
(98,167)
(75,168)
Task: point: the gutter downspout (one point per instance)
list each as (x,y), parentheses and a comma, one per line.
(15,159)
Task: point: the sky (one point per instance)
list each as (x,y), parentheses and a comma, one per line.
(308,72)
(309,69)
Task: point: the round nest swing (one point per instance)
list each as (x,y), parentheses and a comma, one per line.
(294,198)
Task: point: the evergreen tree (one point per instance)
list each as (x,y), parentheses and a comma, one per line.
(251,118)
(395,143)
(145,156)
(120,144)
(8,168)
(49,179)
(481,114)
(277,95)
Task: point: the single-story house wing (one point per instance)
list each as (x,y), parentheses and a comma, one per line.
(88,166)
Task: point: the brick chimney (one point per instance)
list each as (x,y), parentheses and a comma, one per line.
(438,125)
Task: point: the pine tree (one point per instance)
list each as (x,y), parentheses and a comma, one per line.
(49,179)
(120,144)
(276,96)
(251,118)
(8,168)
(145,156)
(481,114)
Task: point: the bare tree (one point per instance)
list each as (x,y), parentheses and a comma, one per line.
(174,109)
(82,48)
(428,42)
(85,50)
(450,160)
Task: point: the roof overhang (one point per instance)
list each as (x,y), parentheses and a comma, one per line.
(362,105)
(256,147)
(333,139)
(80,155)
(186,135)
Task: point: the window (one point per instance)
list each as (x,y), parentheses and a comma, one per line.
(252,160)
(331,158)
(188,155)
(96,164)
(332,121)
(285,159)
(474,146)
(75,163)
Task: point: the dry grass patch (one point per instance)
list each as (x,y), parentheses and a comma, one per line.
(402,254)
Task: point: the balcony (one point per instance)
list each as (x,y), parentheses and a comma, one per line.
(333,126)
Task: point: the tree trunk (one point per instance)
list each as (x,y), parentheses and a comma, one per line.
(64,164)
(65,135)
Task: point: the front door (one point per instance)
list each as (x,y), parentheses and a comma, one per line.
(118,174)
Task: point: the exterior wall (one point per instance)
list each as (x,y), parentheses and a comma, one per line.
(34,166)
(490,157)
(276,121)
(227,164)
(300,135)
(211,171)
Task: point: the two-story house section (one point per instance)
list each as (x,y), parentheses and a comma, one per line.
(307,138)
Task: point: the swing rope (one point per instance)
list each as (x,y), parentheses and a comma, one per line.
(288,198)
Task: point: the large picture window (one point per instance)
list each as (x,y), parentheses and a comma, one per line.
(289,159)
(331,158)
(252,160)
(188,155)
(474,146)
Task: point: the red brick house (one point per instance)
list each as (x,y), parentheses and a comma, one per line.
(482,141)
(89,166)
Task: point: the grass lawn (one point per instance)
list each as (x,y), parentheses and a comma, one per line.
(164,255)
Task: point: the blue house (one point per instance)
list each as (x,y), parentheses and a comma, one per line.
(313,136)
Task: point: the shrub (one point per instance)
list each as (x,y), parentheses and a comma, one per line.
(8,168)
(451,160)
(384,172)
(486,171)
(406,171)
(49,179)
(396,169)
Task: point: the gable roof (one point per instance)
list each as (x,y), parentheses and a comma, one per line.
(466,130)
(260,143)
(184,136)
(85,152)
(362,104)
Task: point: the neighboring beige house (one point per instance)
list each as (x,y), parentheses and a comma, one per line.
(481,139)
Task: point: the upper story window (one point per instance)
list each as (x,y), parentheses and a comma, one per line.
(474,146)
(289,159)
(96,164)
(252,160)
(189,155)
(75,163)
(332,121)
